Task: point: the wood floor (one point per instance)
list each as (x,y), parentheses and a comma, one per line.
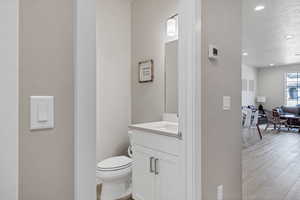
(271,168)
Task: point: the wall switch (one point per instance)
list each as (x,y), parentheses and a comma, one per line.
(220,194)
(41,112)
(226,102)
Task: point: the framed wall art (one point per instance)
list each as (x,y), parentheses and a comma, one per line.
(146,71)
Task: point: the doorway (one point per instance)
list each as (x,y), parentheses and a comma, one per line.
(271,42)
(189,100)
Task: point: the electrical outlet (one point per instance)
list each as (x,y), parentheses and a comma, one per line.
(220,194)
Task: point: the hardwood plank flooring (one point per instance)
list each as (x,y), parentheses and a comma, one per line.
(271,167)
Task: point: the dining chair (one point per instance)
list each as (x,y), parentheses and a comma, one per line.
(256,125)
(270,119)
(247,121)
(251,120)
(273,118)
(278,121)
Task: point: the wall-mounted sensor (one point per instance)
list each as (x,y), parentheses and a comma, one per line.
(213,52)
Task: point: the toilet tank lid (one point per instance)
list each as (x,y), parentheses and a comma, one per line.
(114,162)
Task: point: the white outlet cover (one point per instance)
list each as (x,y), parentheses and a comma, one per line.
(213,52)
(220,192)
(41,112)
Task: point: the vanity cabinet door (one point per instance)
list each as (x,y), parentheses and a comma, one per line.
(143,177)
(167,179)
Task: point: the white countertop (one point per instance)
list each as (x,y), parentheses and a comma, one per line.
(166,128)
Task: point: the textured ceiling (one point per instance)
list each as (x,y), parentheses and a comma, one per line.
(265,31)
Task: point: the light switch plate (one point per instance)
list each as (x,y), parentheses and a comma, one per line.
(226,102)
(41,112)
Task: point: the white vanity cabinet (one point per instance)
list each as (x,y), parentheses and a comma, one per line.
(156,169)
(143,182)
(167,179)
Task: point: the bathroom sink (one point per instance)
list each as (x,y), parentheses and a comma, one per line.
(161,127)
(165,126)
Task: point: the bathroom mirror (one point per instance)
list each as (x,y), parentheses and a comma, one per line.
(171,83)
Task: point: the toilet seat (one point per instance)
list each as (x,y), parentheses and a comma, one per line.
(114,168)
(114,164)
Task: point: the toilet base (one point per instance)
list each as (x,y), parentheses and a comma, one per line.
(115,190)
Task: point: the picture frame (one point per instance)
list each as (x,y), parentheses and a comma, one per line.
(146,71)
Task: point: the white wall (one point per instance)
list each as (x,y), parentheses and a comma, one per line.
(113,77)
(271,84)
(148,42)
(46,68)
(9,99)
(248,96)
(221,130)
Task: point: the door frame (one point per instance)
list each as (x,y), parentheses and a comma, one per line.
(84,58)
(9,116)
(189,77)
(85,98)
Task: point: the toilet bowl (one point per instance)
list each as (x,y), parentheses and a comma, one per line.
(115,176)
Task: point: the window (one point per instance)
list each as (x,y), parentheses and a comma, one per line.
(292,89)
(172,28)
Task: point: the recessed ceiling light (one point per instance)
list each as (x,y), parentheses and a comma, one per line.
(272,64)
(259,8)
(245,54)
(288,37)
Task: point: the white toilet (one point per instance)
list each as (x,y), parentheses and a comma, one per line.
(115,175)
